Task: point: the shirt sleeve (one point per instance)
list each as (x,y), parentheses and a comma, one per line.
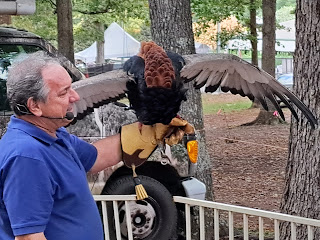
(86,152)
(28,194)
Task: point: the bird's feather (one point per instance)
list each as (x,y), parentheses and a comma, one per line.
(98,90)
(242,78)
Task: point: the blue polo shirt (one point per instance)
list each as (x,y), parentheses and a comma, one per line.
(43,185)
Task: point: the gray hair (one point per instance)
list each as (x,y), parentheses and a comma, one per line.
(25,81)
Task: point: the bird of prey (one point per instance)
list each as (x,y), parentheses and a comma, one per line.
(153,82)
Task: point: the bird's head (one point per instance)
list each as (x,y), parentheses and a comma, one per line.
(159,70)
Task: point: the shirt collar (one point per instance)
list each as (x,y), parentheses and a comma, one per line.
(32,130)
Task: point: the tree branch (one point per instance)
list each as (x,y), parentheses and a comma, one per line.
(53,4)
(92,12)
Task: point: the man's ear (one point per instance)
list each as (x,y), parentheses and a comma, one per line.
(34,107)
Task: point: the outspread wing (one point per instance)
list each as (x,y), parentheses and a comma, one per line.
(98,90)
(233,74)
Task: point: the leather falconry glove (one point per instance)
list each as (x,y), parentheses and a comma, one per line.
(138,141)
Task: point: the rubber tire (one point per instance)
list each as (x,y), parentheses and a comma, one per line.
(165,227)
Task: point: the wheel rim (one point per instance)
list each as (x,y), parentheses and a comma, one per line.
(143,218)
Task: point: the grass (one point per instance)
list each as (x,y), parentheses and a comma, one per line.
(247,54)
(226,102)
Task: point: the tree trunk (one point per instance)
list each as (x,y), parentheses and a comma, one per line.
(302,194)
(171,28)
(254,40)
(100,44)
(269,36)
(268,56)
(65,29)
(253,32)
(171,25)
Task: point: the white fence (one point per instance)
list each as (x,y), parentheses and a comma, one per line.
(218,208)
(115,199)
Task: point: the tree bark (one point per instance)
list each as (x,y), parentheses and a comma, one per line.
(171,28)
(302,194)
(65,29)
(5,19)
(171,25)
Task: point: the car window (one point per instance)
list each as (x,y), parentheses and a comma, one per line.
(286,79)
(8,54)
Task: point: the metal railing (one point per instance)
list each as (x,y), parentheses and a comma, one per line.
(218,208)
(115,199)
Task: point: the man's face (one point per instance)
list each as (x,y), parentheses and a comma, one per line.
(61,96)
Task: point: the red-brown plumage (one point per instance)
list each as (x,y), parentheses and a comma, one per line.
(159,71)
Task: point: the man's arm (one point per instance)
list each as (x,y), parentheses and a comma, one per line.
(139,138)
(33,236)
(109,153)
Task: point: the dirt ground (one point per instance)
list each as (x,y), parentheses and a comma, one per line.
(249,161)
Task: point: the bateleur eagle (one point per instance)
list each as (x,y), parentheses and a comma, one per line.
(153,82)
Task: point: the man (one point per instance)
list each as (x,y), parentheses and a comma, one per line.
(43,187)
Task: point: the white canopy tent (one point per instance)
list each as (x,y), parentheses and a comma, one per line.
(117,44)
(285,39)
(202,48)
